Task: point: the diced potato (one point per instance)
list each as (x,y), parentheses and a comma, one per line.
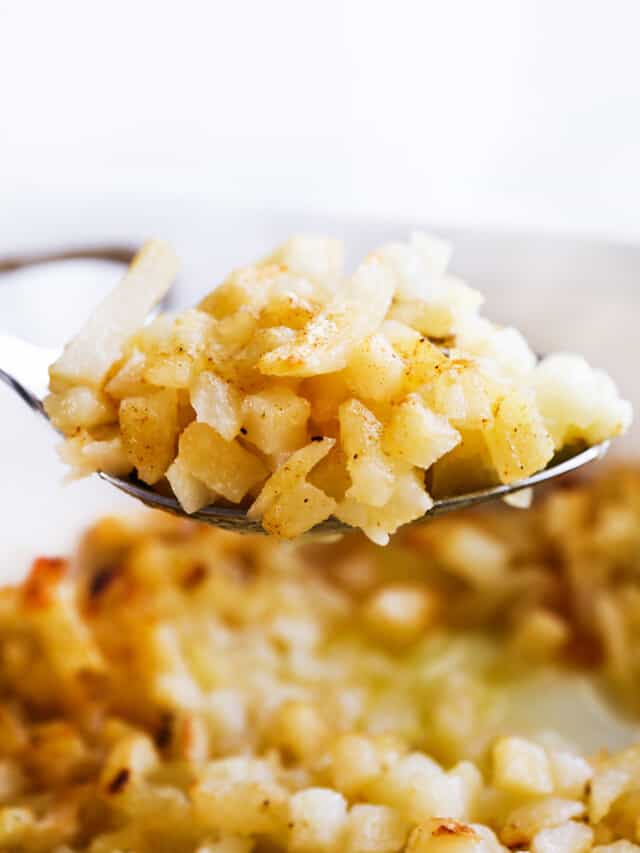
(504,346)
(325,394)
(326,343)
(79,407)
(371,471)
(518,441)
(521,767)
(192,494)
(169,371)
(440,835)
(218,403)
(318,258)
(569,837)
(578,402)
(173,344)
(417,435)
(375,829)
(86,455)
(297,510)
(290,475)
(354,764)
(287,309)
(408,501)
(275,420)
(224,466)
(375,371)
(90,355)
(239,795)
(149,427)
(130,379)
(418,266)
(399,613)
(462,394)
(526,821)
(317,820)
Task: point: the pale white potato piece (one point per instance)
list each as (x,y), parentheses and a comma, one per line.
(325,344)
(85,455)
(408,501)
(290,474)
(416,435)
(149,427)
(375,370)
(218,403)
(578,402)
(297,510)
(130,380)
(275,420)
(89,356)
(518,441)
(192,493)
(224,466)
(79,407)
(371,471)
(320,259)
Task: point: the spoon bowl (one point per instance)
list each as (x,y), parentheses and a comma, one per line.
(24,368)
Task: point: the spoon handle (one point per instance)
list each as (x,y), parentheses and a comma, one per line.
(23,367)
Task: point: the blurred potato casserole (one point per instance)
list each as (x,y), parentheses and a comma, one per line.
(303,393)
(174,688)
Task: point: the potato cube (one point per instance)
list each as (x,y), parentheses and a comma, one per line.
(318,258)
(79,407)
(399,613)
(326,343)
(290,474)
(409,500)
(569,837)
(578,402)
(217,403)
(130,379)
(89,356)
(239,795)
(417,435)
(224,466)
(443,835)
(297,511)
(317,820)
(192,494)
(375,371)
(85,455)
(525,822)
(325,394)
(371,471)
(354,764)
(149,427)
(518,441)
(521,767)
(375,829)
(276,420)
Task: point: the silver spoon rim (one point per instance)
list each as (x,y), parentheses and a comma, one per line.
(236,519)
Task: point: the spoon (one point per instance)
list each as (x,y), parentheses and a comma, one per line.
(24,368)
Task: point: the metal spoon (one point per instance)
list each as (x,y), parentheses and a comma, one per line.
(24,368)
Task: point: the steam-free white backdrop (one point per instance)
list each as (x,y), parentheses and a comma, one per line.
(507,111)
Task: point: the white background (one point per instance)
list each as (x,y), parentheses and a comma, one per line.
(507,111)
